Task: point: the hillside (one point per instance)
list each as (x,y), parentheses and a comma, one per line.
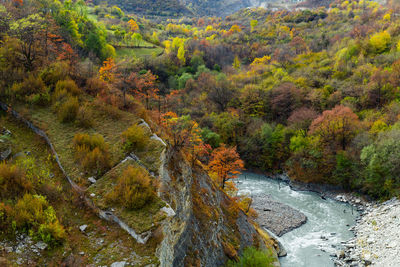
(125,125)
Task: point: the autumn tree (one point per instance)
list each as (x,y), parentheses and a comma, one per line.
(284,99)
(336,127)
(226,163)
(301,119)
(143,86)
(107,71)
(183,132)
(133,25)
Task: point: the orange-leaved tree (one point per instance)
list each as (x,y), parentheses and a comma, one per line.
(107,71)
(336,127)
(226,163)
(133,25)
(144,86)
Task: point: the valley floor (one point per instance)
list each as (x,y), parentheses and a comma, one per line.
(377,241)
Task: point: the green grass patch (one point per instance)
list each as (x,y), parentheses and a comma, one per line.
(138,52)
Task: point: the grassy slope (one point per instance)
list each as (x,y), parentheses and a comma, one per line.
(102,244)
(62,134)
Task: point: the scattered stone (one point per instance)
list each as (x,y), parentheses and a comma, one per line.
(41,245)
(376,242)
(118,264)
(168,210)
(5,154)
(277,217)
(83,228)
(340,254)
(92,180)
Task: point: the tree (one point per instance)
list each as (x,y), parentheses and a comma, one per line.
(253,24)
(133,25)
(226,163)
(221,94)
(236,63)
(336,127)
(183,132)
(137,39)
(181,54)
(284,99)
(301,119)
(107,71)
(380,42)
(382,164)
(29,31)
(143,86)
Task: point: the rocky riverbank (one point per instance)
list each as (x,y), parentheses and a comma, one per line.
(277,217)
(377,237)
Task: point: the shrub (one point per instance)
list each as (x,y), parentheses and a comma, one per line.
(94,85)
(40,99)
(90,141)
(91,152)
(68,110)
(33,214)
(13,181)
(133,190)
(253,257)
(69,86)
(29,86)
(84,117)
(55,72)
(135,137)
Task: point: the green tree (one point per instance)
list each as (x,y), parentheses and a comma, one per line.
(181,55)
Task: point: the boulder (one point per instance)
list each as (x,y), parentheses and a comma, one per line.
(83,228)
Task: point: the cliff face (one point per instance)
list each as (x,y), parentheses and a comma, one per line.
(208,228)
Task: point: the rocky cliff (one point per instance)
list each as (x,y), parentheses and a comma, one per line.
(208,228)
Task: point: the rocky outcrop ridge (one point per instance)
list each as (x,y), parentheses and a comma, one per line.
(207,228)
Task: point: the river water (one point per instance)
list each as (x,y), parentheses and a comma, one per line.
(326,218)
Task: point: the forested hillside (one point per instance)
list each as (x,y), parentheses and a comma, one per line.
(311,92)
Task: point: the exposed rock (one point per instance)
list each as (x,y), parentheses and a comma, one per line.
(118,264)
(155,137)
(41,245)
(83,228)
(277,217)
(92,180)
(168,210)
(5,154)
(340,254)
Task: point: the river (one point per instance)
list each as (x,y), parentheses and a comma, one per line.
(327,219)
